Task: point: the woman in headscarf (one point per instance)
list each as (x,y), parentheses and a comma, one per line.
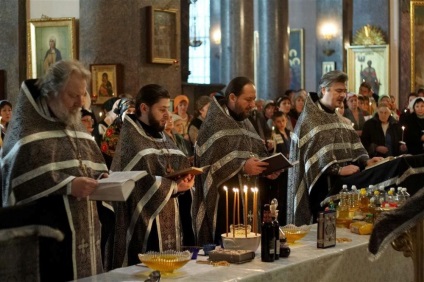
(414,127)
(180,108)
(5,116)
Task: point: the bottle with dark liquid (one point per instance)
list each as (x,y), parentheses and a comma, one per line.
(284,247)
(267,236)
(276,225)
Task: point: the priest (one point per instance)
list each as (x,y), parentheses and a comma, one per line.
(228,142)
(149,219)
(49,159)
(327,149)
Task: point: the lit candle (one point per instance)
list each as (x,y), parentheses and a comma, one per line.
(371,110)
(238,205)
(234,211)
(245,209)
(226,209)
(256,209)
(403,130)
(254,191)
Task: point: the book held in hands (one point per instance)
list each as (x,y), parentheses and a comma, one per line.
(117,187)
(276,162)
(185,171)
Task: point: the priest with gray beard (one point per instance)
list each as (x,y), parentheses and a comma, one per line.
(50,160)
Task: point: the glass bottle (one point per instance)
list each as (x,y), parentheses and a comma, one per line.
(284,247)
(364,201)
(276,225)
(267,236)
(342,213)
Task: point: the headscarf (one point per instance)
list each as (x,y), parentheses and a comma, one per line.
(178,99)
(413,102)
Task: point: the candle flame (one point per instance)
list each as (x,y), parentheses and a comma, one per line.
(225,188)
(245,189)
(366,31)
(403,127)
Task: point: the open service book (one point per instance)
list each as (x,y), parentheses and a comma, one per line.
(276,162)
(183,172)
(117,187)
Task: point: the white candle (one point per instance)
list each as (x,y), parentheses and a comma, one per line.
(238,205)
(403,130)
(234,211)
(245,209)
(226,209)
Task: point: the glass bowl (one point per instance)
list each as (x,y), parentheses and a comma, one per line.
(294,233)
(167,261)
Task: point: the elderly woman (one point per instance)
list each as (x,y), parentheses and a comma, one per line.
(354,113)
(297,106)
(382,134)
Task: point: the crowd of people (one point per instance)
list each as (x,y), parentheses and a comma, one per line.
(54,151)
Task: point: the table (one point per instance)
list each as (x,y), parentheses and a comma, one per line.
(346,261)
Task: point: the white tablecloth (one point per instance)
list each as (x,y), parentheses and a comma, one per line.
(346,261)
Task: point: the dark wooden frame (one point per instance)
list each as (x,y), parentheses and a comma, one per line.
(163,35)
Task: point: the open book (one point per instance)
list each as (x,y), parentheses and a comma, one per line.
(183,172)
(117,187)
(276,162)
(385,160)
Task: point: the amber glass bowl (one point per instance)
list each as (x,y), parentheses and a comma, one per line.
(167,261)
(294,233)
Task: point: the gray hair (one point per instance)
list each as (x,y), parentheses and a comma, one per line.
(329,78)
(57,77)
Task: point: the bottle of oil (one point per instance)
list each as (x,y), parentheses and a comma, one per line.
(342,213)
(364,201)
(353,201)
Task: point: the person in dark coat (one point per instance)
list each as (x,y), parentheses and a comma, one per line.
(382,134)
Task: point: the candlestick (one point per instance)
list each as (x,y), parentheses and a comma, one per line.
(226,210)
(403,130)
(245,209)
(234,212)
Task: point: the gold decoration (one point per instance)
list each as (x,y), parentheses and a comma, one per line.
(369,35)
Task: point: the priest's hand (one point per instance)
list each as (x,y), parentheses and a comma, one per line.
(274,175)
(374,160)
(82,187)
(185,183)
(254,166)
(348,170)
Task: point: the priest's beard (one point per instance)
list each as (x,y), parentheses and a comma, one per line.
(69,117)
(154,123)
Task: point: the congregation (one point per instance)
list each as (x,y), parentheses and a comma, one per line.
(53,151)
